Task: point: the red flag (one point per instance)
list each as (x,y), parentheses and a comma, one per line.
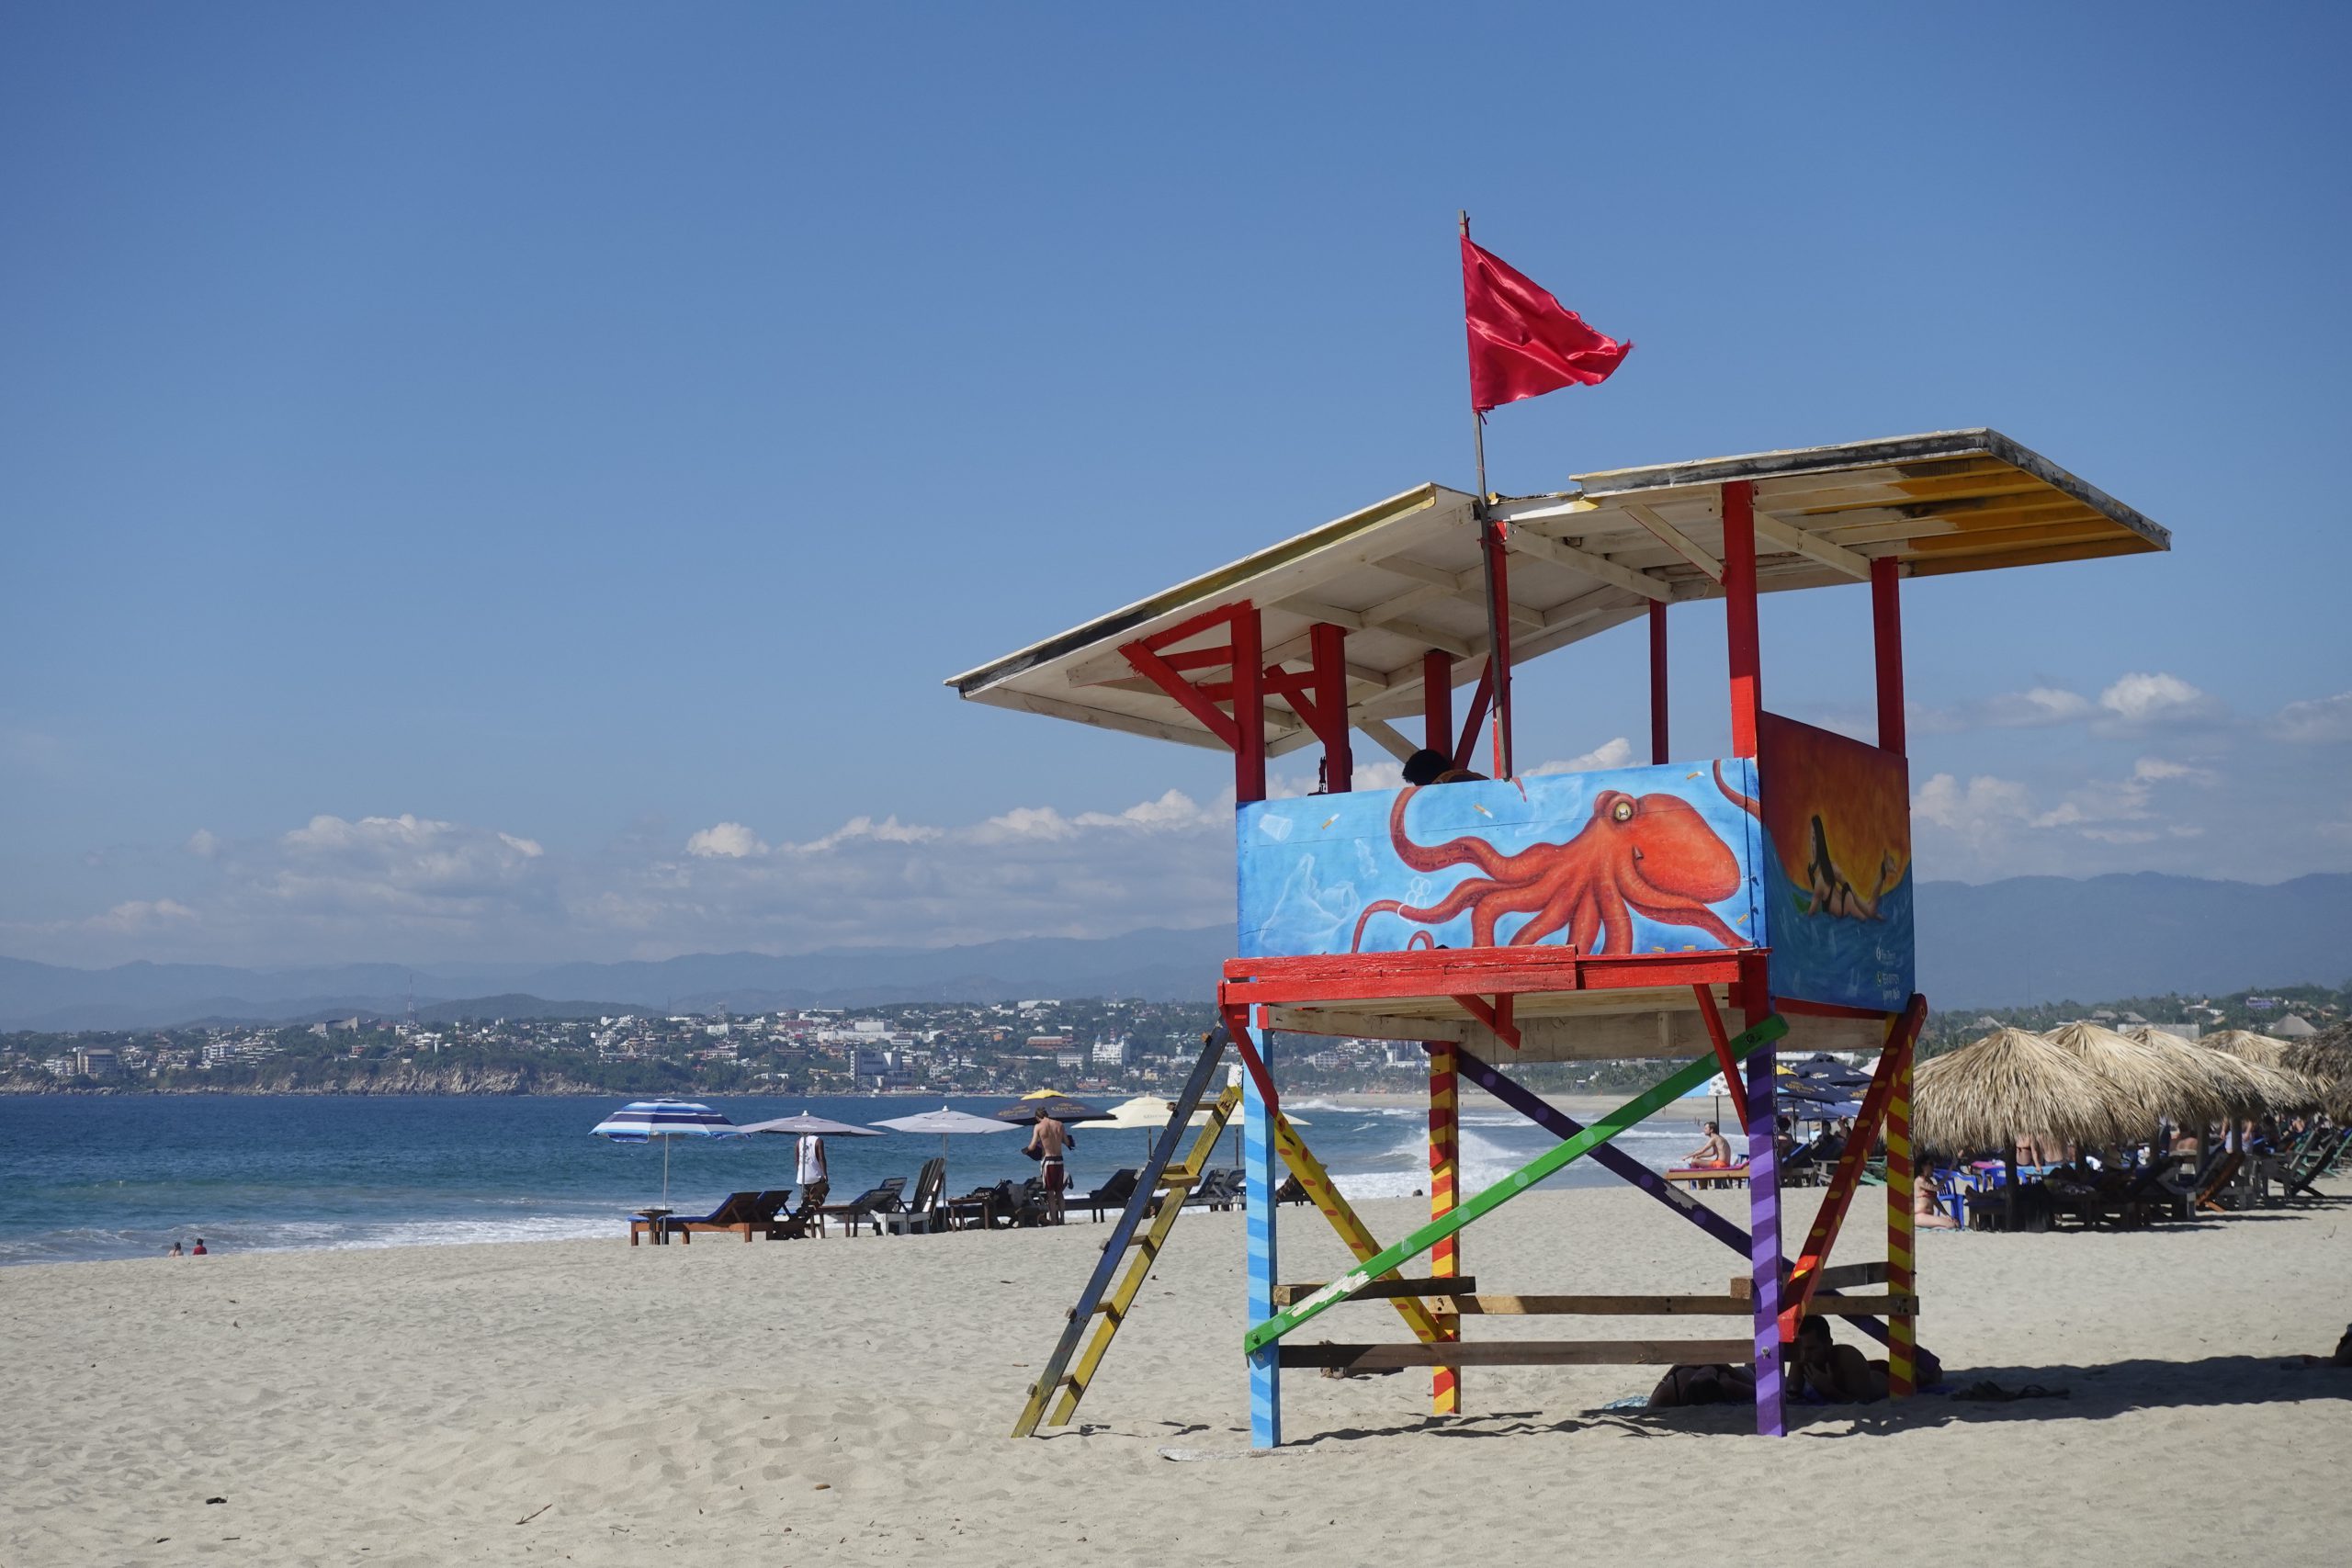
(1523,343)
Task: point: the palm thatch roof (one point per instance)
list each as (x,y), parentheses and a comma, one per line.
(2011,1085)
(2266,1088)
(2325,1058)
(2164,1080)
(2247,1046)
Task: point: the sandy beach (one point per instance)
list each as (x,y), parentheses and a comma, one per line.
(847,1401)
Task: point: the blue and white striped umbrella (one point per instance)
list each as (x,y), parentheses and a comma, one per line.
(642,1120)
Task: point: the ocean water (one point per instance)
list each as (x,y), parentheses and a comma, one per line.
(90,1177)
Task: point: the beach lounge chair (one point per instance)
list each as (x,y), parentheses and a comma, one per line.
(749,1212)
(1293,1190)
(1708,1176)
(807,1219)
(868,1207)
(922,1211)
(1112,1194)
(982,1208)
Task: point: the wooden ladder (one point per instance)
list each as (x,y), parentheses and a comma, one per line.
(1141,1230)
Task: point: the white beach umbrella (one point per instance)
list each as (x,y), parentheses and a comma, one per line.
(947,1124)
(642,1121)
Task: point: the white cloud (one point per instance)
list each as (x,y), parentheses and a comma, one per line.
(1984,808)
(1615,752)
(731,840)
(203,844)
(2153,770)
(2317,722)
(141,917)
(2144,699)
(2037,708)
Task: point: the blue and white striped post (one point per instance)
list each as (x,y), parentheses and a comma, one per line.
(1257,1186)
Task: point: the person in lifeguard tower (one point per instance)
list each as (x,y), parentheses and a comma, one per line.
(1427,767)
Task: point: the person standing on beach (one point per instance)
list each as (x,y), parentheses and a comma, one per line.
(810,1166)
(1048,1144)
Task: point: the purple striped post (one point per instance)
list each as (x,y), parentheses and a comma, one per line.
(1764,1241)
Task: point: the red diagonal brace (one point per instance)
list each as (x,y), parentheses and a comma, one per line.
(1734,1084)
(1236,1024)
(1495,1017)
(1902,1034)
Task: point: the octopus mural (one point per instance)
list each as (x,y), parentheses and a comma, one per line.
(1650,854)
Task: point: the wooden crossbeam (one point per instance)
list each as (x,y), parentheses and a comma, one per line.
(1475,1306)
(1673,538)
(1597,566)
(1789,536)
(1520,1353)
(1381,1290)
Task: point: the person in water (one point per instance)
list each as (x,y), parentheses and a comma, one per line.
(197,1250)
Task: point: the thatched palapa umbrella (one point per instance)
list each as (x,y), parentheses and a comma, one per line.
(2247,1046)
(2325,1059)
(2276,1090)
(2007,1086)
(2166,1080)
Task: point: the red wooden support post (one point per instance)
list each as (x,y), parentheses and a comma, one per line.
(1886,641)
(1437,701)
(1248,706)
(1328,646)
(1659,752)
(1499,653)
(1740,613)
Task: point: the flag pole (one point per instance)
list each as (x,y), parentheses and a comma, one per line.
(1490,555)
(1478,419)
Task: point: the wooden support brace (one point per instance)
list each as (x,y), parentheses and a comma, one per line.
(1714,1019)
(1335,1209)
(1382,1290)
(1520,1353)
(1756,1038)
(1846,1177)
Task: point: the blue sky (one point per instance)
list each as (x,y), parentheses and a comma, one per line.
(508,481)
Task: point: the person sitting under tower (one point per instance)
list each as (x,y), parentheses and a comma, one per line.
(1712,1153)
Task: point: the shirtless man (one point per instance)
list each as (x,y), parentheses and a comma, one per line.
(1048,1143)
(1713,1151)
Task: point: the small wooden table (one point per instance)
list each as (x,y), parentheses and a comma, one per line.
(652,1221)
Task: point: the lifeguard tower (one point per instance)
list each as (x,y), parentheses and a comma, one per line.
(1706,913)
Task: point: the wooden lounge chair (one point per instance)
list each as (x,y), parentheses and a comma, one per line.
(1708,1176)
(982,1208)
(922,1211)
(868,1207)
(1112,1194)
(1293,1190)
(809,1219)
(747,1213)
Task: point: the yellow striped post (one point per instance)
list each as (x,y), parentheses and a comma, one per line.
(1903,1327)
(1445,1258)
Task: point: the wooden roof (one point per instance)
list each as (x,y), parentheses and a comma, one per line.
(1404,575)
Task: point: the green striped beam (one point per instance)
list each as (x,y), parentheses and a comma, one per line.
(1680,1082)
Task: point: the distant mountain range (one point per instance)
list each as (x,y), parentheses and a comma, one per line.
(2025,940)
